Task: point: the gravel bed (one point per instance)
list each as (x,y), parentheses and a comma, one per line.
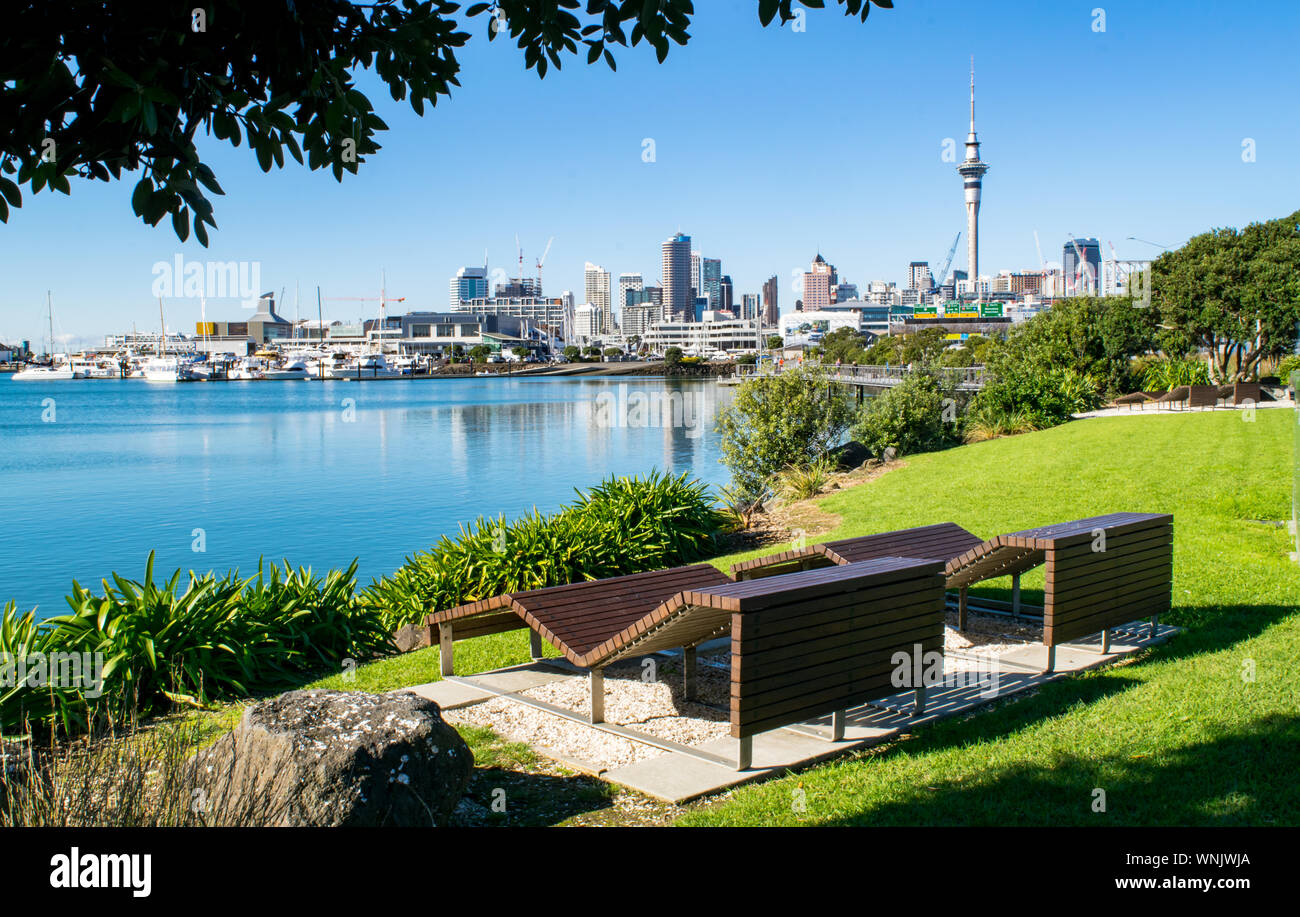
(656,706)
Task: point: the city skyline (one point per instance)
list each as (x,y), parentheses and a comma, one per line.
(749,204)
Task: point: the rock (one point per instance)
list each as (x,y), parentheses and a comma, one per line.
(413,637)
(889,454)
(333,758)
(850,455)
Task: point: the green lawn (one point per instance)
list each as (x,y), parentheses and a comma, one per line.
(1179,737)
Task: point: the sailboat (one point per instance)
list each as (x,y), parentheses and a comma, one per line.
(56,371)
(162,368)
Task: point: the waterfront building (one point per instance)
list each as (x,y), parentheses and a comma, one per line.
(586,322)
(469,283)
(704,337)
(553,315)
(637,318)
(598,295)
(750,307)
(677,296)
(627,283)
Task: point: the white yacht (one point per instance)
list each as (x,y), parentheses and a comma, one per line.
(55,372)
(293,369)
(367,366)
(162,369)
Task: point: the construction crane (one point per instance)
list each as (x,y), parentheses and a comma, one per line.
(541,261)
(384,299)
(939,278)
(1078,268)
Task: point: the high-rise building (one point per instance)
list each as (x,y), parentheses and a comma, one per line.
(771,310)
(469,283)
(695,275)
(972,172)
(844,292)
(586,322)
(677,298)
(726,295)
(711,280)
(517,287)
(598,295)
(1081,276)
(818,285)
(627,283)
(919,276)
(750,306)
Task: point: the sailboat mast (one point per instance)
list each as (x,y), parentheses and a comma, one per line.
(49,309)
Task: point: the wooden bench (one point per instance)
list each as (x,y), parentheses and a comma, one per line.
(803,645)
(1100,572)
(1128,579)
(943,541)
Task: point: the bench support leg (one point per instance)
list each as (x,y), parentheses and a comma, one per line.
(1105,641)
(1051,660)
(745,754)
(961,608)
(598,695)
(837,726)
(534,645)
(918,702)
(446,658)
(1155,625)
(1015,596)
(688,672)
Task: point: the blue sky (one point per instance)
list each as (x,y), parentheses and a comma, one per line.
(770,145)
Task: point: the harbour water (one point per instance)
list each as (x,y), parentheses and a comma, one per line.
(94,475)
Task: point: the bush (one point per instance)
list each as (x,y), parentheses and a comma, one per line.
(217,639)
(1163,375)
(800,482)
(623,525)
(790,418)
(673,356)
(917,415)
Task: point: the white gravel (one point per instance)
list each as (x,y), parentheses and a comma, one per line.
(653,704)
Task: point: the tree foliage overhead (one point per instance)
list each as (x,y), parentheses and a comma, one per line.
(1235,293)
(94,90)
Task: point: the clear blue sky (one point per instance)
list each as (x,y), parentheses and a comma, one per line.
(770,146)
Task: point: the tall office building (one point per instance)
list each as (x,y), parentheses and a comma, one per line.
(597,288)
(711,280)
(677,298)
(626,284)
(818,285)
(750,306)
(972,172)
(919,276)
(726,294)
(771,310)
(695,275)
(1081,276)
(469,283)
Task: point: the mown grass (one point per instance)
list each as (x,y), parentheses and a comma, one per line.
(1202,731)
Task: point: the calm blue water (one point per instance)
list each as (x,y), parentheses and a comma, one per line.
(109,470)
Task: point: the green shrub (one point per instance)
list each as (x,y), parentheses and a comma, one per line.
(800,482)
(917,415)
(217,638)
(623,525)
(778,420)
(1163,375)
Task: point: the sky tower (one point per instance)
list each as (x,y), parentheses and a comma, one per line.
(972,172)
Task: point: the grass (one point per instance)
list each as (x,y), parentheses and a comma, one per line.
(1202,731)
(1178,737)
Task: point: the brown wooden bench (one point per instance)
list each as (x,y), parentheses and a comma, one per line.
(1245,392)
(803,646)
(1100,572)
(943,541)
(823,641)
(1079,583)
(1203,396)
